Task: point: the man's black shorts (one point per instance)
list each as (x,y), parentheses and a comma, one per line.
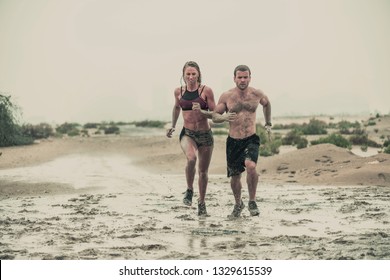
(238,150)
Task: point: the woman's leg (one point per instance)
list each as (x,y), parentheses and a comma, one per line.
(189,149)
(204,154)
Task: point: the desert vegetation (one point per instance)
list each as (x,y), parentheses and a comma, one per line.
(342,134)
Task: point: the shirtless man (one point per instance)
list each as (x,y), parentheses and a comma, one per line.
(242,145)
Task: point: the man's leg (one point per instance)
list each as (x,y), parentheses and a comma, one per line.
(252,179)
(235,184)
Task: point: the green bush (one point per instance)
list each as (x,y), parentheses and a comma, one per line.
(294,138)
(267,147)
(147,123)
(286,126)
(270,148)
(111,130)
(10,131)
(302,143)
(220,132)
(346,125)
(335,139)
(363,141)
(314,127)
(90,125)
(68,128)
(73,132)
(40,131)
(387,150)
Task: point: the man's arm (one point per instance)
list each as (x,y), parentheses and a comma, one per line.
(217,115)
(264,101)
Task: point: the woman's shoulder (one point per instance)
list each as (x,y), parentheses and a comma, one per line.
(178,90)
(206,89)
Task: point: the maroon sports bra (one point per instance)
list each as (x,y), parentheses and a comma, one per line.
(188,97)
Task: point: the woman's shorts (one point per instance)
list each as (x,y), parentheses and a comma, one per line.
(201,138)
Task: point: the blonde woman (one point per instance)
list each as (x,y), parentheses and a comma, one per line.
(196,138)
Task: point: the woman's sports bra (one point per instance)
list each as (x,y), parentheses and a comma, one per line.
(188,97)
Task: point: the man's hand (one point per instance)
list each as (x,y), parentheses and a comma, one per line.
(267,128)
(170,132)
(196,106)
(230,116)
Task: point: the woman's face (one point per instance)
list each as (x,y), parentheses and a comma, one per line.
(191,75)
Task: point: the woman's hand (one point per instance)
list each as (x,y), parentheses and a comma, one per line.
(170,132)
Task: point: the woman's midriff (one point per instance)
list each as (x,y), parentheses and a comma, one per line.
(195,121)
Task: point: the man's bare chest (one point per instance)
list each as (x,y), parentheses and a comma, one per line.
(238,105)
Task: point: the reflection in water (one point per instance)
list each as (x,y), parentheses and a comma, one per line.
(80,171)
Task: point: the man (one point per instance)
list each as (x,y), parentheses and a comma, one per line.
(242,145)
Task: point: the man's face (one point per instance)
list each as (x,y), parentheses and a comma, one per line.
(242,79)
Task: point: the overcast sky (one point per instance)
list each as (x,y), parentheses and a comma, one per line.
(120,60)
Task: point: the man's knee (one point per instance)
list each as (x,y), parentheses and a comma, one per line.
(236,178)
(250,166)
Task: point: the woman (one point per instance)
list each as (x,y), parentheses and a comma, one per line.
(196,138)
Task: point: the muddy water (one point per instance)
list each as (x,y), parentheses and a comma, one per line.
(118,211)
(79,171)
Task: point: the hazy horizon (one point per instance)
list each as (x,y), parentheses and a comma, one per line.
(98,60)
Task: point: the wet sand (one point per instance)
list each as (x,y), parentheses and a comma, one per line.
(121,198)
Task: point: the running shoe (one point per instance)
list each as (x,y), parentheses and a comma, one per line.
(187,200)
(252,206)
(202,209)
(237,210)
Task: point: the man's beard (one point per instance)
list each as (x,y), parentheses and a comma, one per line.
(242,86)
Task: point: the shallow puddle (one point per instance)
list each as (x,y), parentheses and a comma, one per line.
(79,171)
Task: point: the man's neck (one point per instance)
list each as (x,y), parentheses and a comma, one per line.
(242,92)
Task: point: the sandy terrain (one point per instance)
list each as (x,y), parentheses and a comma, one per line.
(120,197)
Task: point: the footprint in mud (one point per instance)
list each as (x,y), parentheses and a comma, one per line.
(185,217)
(215,232)
(180,207)
(324,159)
(296,223)
(383,177)
(27,211)
(89,254)
(374,216)
(169,197)
(281,167)
(356,205)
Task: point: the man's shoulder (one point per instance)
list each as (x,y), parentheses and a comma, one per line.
(229,92)
(226,95)
(257,92)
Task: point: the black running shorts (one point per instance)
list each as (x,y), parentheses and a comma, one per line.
(238,150)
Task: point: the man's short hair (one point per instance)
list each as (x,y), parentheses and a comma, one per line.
(242,68)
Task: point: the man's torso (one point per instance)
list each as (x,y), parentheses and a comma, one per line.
(245,106)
